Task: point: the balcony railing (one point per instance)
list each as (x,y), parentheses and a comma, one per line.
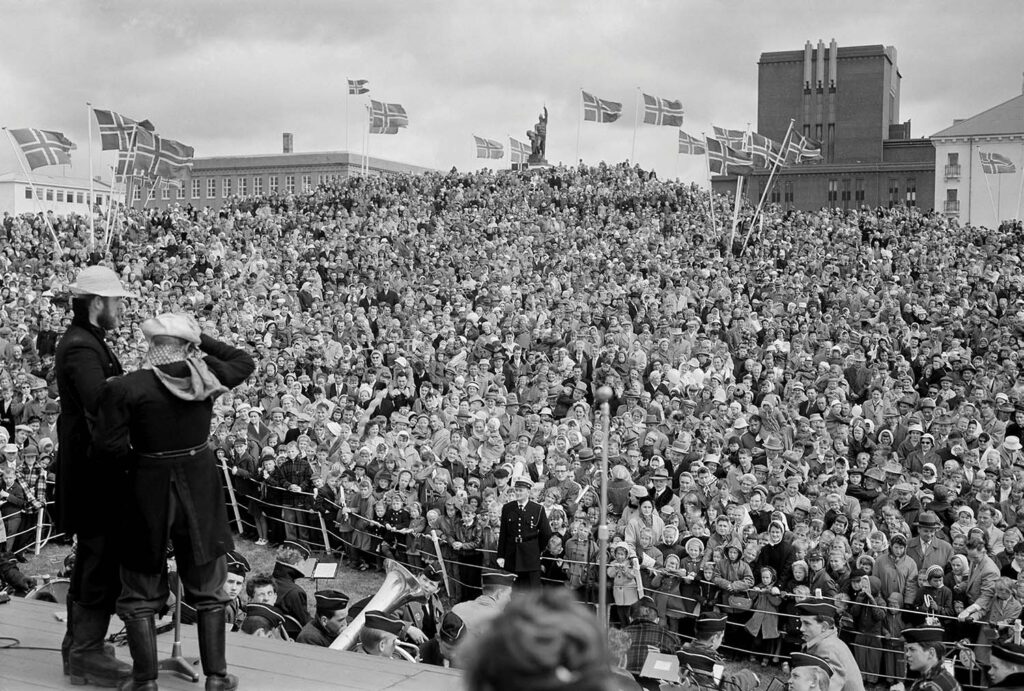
(951,206)
(952,172)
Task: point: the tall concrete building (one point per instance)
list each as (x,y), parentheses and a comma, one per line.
(848,99)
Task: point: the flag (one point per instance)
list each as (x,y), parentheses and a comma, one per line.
(776,154)
(519,151)
(116,130)
(724,160)
(731,138)
(174,160)
(690,145)
(662,111)
(357,86)
(765,149)
(386,118)
(995,164)
(599,110)
(801,149)
(43,147)
(488,148)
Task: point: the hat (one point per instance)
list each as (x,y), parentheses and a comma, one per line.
(51,408)
(523,483)
(586,454)
(256,609)
(1012,443)
(661,473)
(668,510)
(330,600)
(892,467)
(875,473)
(898,537)
(799,659)
(1011,652)
(637,491)
(709,623)
(10,448)
(237,563)
(452,628)
(927,403)
(375,619)
(928,519)
(99,280)
(433,572)
(903,487)
(181,326)
(291,544)
(818,606)
(498,578)
(740,423)
(501,473)
(773,444)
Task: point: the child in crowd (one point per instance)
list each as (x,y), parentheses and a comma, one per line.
(763,624)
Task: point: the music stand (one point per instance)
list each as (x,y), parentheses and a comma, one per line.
(176,663)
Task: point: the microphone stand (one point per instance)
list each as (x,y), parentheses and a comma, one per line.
(176,663)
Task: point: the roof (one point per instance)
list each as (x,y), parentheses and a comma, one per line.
(1006,118)
(301,160)
(54,181)
(842,52)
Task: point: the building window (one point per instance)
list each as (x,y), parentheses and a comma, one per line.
(272,184)
(307,183)
(28,193)
(776,195)
(319,179)
(165,192)
(817,132)
(257,185)
(243,186)
(858,190)
(60,195)
(137,194)
(807,130)
(894,192)
(80,198)
(953,159)
(952,204)
(833,191)
(226,187)
(49,194)
(197,187)
(289,184)
(846,193)
(831,142)
(788,187)
(211,188)
(911,191)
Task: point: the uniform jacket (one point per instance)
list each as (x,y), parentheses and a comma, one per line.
(138,415)
(291,598)
(477,615)
(86,485)
(936,679)
(834,651)
(523,535)
(314,634)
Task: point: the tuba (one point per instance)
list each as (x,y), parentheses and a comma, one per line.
(399,587)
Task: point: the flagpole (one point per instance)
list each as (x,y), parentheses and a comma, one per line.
(636,124)
(988,185)
(579,126)
(18,154)
(768,185)
(1020,192)
(735,208)
(152,192)
(110,198)
(711,189)
(366,142)
(348,97)
(92,191)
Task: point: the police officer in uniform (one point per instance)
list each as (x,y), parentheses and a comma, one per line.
(925,650)
(328,621)
(155,424)
(522,536)
(86,486)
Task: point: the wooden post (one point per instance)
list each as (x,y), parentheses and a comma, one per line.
(440,560)
(39,530)
(323,532)
(231,495)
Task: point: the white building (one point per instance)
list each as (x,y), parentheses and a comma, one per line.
(962,190)
(60,195)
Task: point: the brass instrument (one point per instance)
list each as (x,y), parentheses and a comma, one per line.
(399,587)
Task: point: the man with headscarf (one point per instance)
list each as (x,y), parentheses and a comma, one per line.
(87,489)
(154,423)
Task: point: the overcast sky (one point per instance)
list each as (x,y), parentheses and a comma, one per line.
(229,77)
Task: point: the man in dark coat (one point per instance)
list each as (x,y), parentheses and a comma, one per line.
(522,536)
(88,490)
(155,424)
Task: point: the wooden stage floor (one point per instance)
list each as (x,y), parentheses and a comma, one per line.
(258,663)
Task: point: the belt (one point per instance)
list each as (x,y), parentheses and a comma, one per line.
(175,453)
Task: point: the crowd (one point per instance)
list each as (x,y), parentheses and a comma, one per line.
(834,413)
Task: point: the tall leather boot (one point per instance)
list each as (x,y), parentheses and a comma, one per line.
(142,643)
(211,650)
(65,645)
(87,663)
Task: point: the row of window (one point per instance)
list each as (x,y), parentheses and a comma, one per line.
(224,187)
(842,191)
(63,196)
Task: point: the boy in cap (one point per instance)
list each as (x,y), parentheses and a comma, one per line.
(88,493)
(809,673)
(1007,669)
(821,638)
(328,620)
(234,584)
(925,650)
(156,424)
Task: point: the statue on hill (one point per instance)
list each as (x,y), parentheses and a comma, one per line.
(539,140)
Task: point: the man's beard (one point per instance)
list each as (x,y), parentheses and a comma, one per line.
(108,318)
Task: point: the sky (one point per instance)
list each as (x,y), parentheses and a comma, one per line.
(228,77)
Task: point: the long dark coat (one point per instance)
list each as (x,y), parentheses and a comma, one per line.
(139,416)
(87,488)
(523,535)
